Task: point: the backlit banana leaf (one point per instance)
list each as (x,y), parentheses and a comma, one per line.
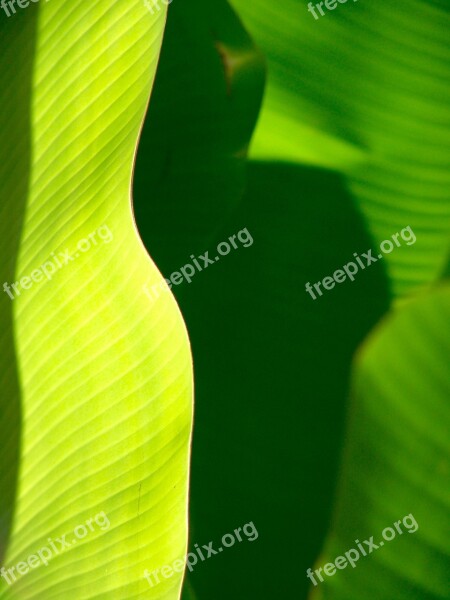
(96,380)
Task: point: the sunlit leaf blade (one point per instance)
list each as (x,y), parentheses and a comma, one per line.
(397,461)
(365,89)
(105,376)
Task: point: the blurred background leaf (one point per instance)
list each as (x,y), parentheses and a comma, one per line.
(397,460)
(365,89)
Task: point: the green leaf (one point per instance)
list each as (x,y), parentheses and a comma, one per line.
(101,402)
(365,89)
(396,462)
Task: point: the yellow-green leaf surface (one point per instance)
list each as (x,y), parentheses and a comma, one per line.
(103,377)
(396,462)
